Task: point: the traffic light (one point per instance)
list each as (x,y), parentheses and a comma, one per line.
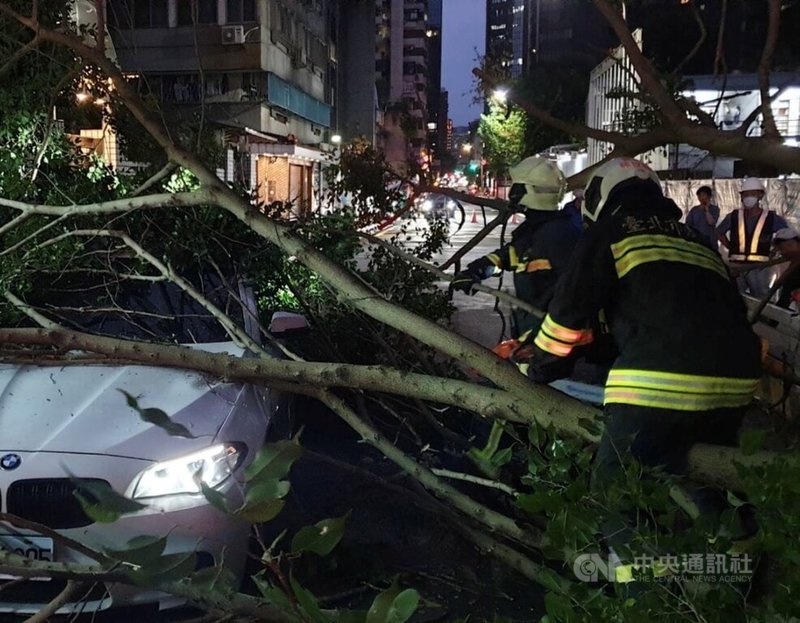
(473,167)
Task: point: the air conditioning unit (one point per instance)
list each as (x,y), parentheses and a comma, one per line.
(232,34)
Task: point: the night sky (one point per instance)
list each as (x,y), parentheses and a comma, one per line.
(463,32)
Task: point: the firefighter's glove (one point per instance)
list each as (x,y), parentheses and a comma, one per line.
(464,281)
(473,274)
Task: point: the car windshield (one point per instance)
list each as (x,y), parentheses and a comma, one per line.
(139,309)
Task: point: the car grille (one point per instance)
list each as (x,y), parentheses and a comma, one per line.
(13,591)
(49,501)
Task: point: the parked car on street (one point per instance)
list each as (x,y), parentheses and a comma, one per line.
(64,426)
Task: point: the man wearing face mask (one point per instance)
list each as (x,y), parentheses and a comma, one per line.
(747,234)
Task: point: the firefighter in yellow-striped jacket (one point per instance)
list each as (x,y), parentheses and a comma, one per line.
(539,248)
(687,362)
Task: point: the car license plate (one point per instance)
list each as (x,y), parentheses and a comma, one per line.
(33,547)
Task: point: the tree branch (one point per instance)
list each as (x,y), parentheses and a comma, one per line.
(647,74)
(774,23)
(28,47)
(719,54)
(162,200)
(700,40)
(236,334)
(155,178)
(498,294)
(488,402)
(465,504)
(50,608)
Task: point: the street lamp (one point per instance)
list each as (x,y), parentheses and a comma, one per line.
(500,95)
(336,139)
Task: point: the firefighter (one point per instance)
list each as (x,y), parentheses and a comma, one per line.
(540,246)
(747,234)
(688,362)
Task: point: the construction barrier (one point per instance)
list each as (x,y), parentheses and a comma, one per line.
(783,195)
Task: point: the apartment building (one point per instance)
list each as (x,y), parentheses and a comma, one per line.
(265,73)
(407,67)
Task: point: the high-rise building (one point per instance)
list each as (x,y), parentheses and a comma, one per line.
(356,115)
(407,59)
(499,29)
(435,123)
(443,119)
(566,33)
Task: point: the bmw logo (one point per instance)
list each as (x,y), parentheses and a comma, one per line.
(10,461)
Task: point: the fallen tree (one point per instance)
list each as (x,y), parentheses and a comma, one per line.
(41,236)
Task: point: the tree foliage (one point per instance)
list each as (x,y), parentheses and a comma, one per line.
(502,131)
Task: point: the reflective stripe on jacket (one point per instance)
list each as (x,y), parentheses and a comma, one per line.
(683,392)
(756,246)
(678,322)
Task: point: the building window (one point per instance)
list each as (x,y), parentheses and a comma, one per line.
(241,11)
(127,14)
(205,12)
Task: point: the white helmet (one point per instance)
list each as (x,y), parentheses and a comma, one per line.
(608,178)
(752,183)
(536,183)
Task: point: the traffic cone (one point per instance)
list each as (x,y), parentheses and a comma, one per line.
(474,215)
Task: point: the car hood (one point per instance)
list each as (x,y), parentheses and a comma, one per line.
(80,409)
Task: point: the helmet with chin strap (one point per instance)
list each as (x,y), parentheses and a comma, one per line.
(537,184)
(610,177)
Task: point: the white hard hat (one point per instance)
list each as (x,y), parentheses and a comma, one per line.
(536,183)
(609,177)
(752,183)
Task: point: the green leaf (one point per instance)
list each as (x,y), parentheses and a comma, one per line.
(590,425)
(536,436)
(157,417)
(751,441)
(101,503)
(307,601)
(320,538)
(264,490)
(541,501)
(393,605)
(140,550)
(214,497)
(271,594)
(260,512)
(169,568)
(501,457)
(274,461)
(262,501)
(558,607)
(218,578)
(550,579)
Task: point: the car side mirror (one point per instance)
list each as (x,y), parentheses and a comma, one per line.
(288,323)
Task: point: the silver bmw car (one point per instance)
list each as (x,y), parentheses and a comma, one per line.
(63,427)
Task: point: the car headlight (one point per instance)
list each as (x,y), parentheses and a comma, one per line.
(211,466)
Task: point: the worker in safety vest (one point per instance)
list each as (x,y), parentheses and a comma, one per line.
(688,361)
(747,233)
(540,246)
